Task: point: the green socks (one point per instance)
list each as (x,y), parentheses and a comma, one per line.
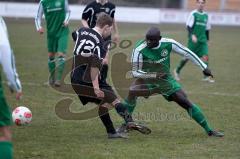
(61,64)
(130,105)
(196,113)
(51,67)
(181,65)
(6,150)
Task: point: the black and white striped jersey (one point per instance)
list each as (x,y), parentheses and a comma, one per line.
(94,8)
(89,50)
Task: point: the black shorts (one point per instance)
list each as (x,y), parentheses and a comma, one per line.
(86,93)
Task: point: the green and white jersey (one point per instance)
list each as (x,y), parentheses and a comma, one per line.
(56,12)
(3,33)
(7,59)
(146,63)
(199,22)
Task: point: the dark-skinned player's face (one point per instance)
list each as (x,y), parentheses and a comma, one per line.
(152,41)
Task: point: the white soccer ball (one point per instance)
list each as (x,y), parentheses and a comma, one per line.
(21,116)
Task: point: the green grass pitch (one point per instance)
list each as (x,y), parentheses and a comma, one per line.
(174,135)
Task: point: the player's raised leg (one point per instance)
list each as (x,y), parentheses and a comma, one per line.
(195,112)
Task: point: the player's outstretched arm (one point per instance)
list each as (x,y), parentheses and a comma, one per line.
(38,19)
(116,36)
(184,51)
(67,16)
(9,68)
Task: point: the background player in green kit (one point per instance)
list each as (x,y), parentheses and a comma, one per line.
(151,67)
(198,27)
(57,14)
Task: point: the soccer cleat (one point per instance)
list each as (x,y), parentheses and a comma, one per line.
(117,136)
(141,128)
(57,83)
(215,133)
(176,75)
(51,82)
(122,129)
(208,79)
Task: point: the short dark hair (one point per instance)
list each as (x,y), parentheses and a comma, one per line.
(104,19)
(153,33)
(203,1)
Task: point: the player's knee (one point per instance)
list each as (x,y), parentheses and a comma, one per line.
(115,102)
(7,136)
(110,96)
(181,98)
(51,55)
(61,55)
(102,110)
(205,58)
(106,105)
(132,92)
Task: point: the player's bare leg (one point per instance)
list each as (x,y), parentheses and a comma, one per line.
(195,112)
(6,133)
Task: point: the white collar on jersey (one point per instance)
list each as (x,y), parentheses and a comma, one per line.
(203,12)
(97,31)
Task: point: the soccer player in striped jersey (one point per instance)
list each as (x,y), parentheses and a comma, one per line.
(92,10)
(198,27)
(57,15)
(151,67)
(8,64)
(89,52)
(89,17)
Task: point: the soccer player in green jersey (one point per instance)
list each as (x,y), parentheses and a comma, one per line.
(8,66)
(151,67)
(198,27)
(57,15)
